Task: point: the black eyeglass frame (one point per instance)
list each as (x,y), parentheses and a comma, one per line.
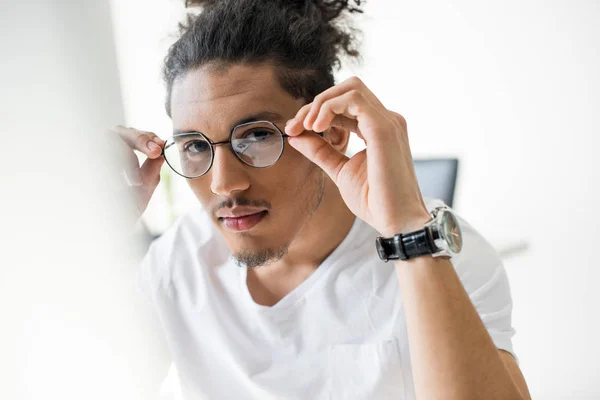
(213,144)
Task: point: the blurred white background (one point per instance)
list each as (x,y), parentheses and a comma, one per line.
(511,88)
(71,325)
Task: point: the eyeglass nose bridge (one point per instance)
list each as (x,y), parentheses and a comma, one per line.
(215,144)
(213,153)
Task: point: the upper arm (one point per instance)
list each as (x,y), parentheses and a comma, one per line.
(483,275)
(515,373)
(484,278)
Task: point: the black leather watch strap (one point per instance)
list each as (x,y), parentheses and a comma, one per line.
(405,246)
(390,248)
(417,244)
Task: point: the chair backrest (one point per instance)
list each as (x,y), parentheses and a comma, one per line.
(437,177)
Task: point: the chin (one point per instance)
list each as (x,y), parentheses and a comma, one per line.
(259,257)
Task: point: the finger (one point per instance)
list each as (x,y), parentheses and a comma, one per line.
(346,122)
(353,83)
(132,169)
(328,118)
(401,120)
(146,142)
(127,160)
(150,172)
(351,106)
(320,152)
(294,126)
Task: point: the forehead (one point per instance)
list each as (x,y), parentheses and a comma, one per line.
(211,100)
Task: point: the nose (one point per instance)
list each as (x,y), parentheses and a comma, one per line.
(228,173)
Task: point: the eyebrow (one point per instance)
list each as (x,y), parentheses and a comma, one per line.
(259,116)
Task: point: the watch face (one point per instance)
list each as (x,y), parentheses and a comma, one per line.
(451,232)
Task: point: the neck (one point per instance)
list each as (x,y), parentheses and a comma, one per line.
(317,239)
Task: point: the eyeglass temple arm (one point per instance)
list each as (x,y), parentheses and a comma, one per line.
(285,135)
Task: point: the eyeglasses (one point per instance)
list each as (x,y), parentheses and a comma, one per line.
(258,144)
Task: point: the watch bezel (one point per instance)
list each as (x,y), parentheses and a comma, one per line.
(437,233)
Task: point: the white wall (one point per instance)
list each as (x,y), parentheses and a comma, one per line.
(512,89)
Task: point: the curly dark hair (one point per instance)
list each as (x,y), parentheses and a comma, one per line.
(300,38)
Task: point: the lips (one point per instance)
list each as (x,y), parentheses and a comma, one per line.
(243,223)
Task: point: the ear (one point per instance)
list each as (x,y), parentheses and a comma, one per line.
(338,137)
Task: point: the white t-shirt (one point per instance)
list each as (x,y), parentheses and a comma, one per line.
(341,334)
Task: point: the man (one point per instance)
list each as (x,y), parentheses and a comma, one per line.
(274,287)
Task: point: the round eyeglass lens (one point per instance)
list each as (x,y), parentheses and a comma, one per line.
(257,144)
(188,154)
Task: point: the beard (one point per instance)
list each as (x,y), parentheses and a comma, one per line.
(255,258)
(259,258)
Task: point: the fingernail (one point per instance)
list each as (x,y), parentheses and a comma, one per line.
(152,146)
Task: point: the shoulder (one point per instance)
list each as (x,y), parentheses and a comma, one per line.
(478,264)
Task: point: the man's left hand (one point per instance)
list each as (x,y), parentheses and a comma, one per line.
(378,184)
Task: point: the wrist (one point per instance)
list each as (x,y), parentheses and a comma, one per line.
(407,225)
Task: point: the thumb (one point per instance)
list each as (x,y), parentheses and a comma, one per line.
(319,151)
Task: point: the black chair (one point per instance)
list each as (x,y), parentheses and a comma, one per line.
(437,177)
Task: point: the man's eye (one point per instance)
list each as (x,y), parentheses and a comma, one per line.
(258,135)
(196,146)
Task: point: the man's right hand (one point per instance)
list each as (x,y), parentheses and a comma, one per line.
(142,179)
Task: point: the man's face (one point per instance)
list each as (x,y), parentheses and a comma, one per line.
(212,101)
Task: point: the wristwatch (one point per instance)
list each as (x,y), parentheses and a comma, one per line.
(441,236)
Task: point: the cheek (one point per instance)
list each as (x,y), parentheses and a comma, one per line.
(296,183)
